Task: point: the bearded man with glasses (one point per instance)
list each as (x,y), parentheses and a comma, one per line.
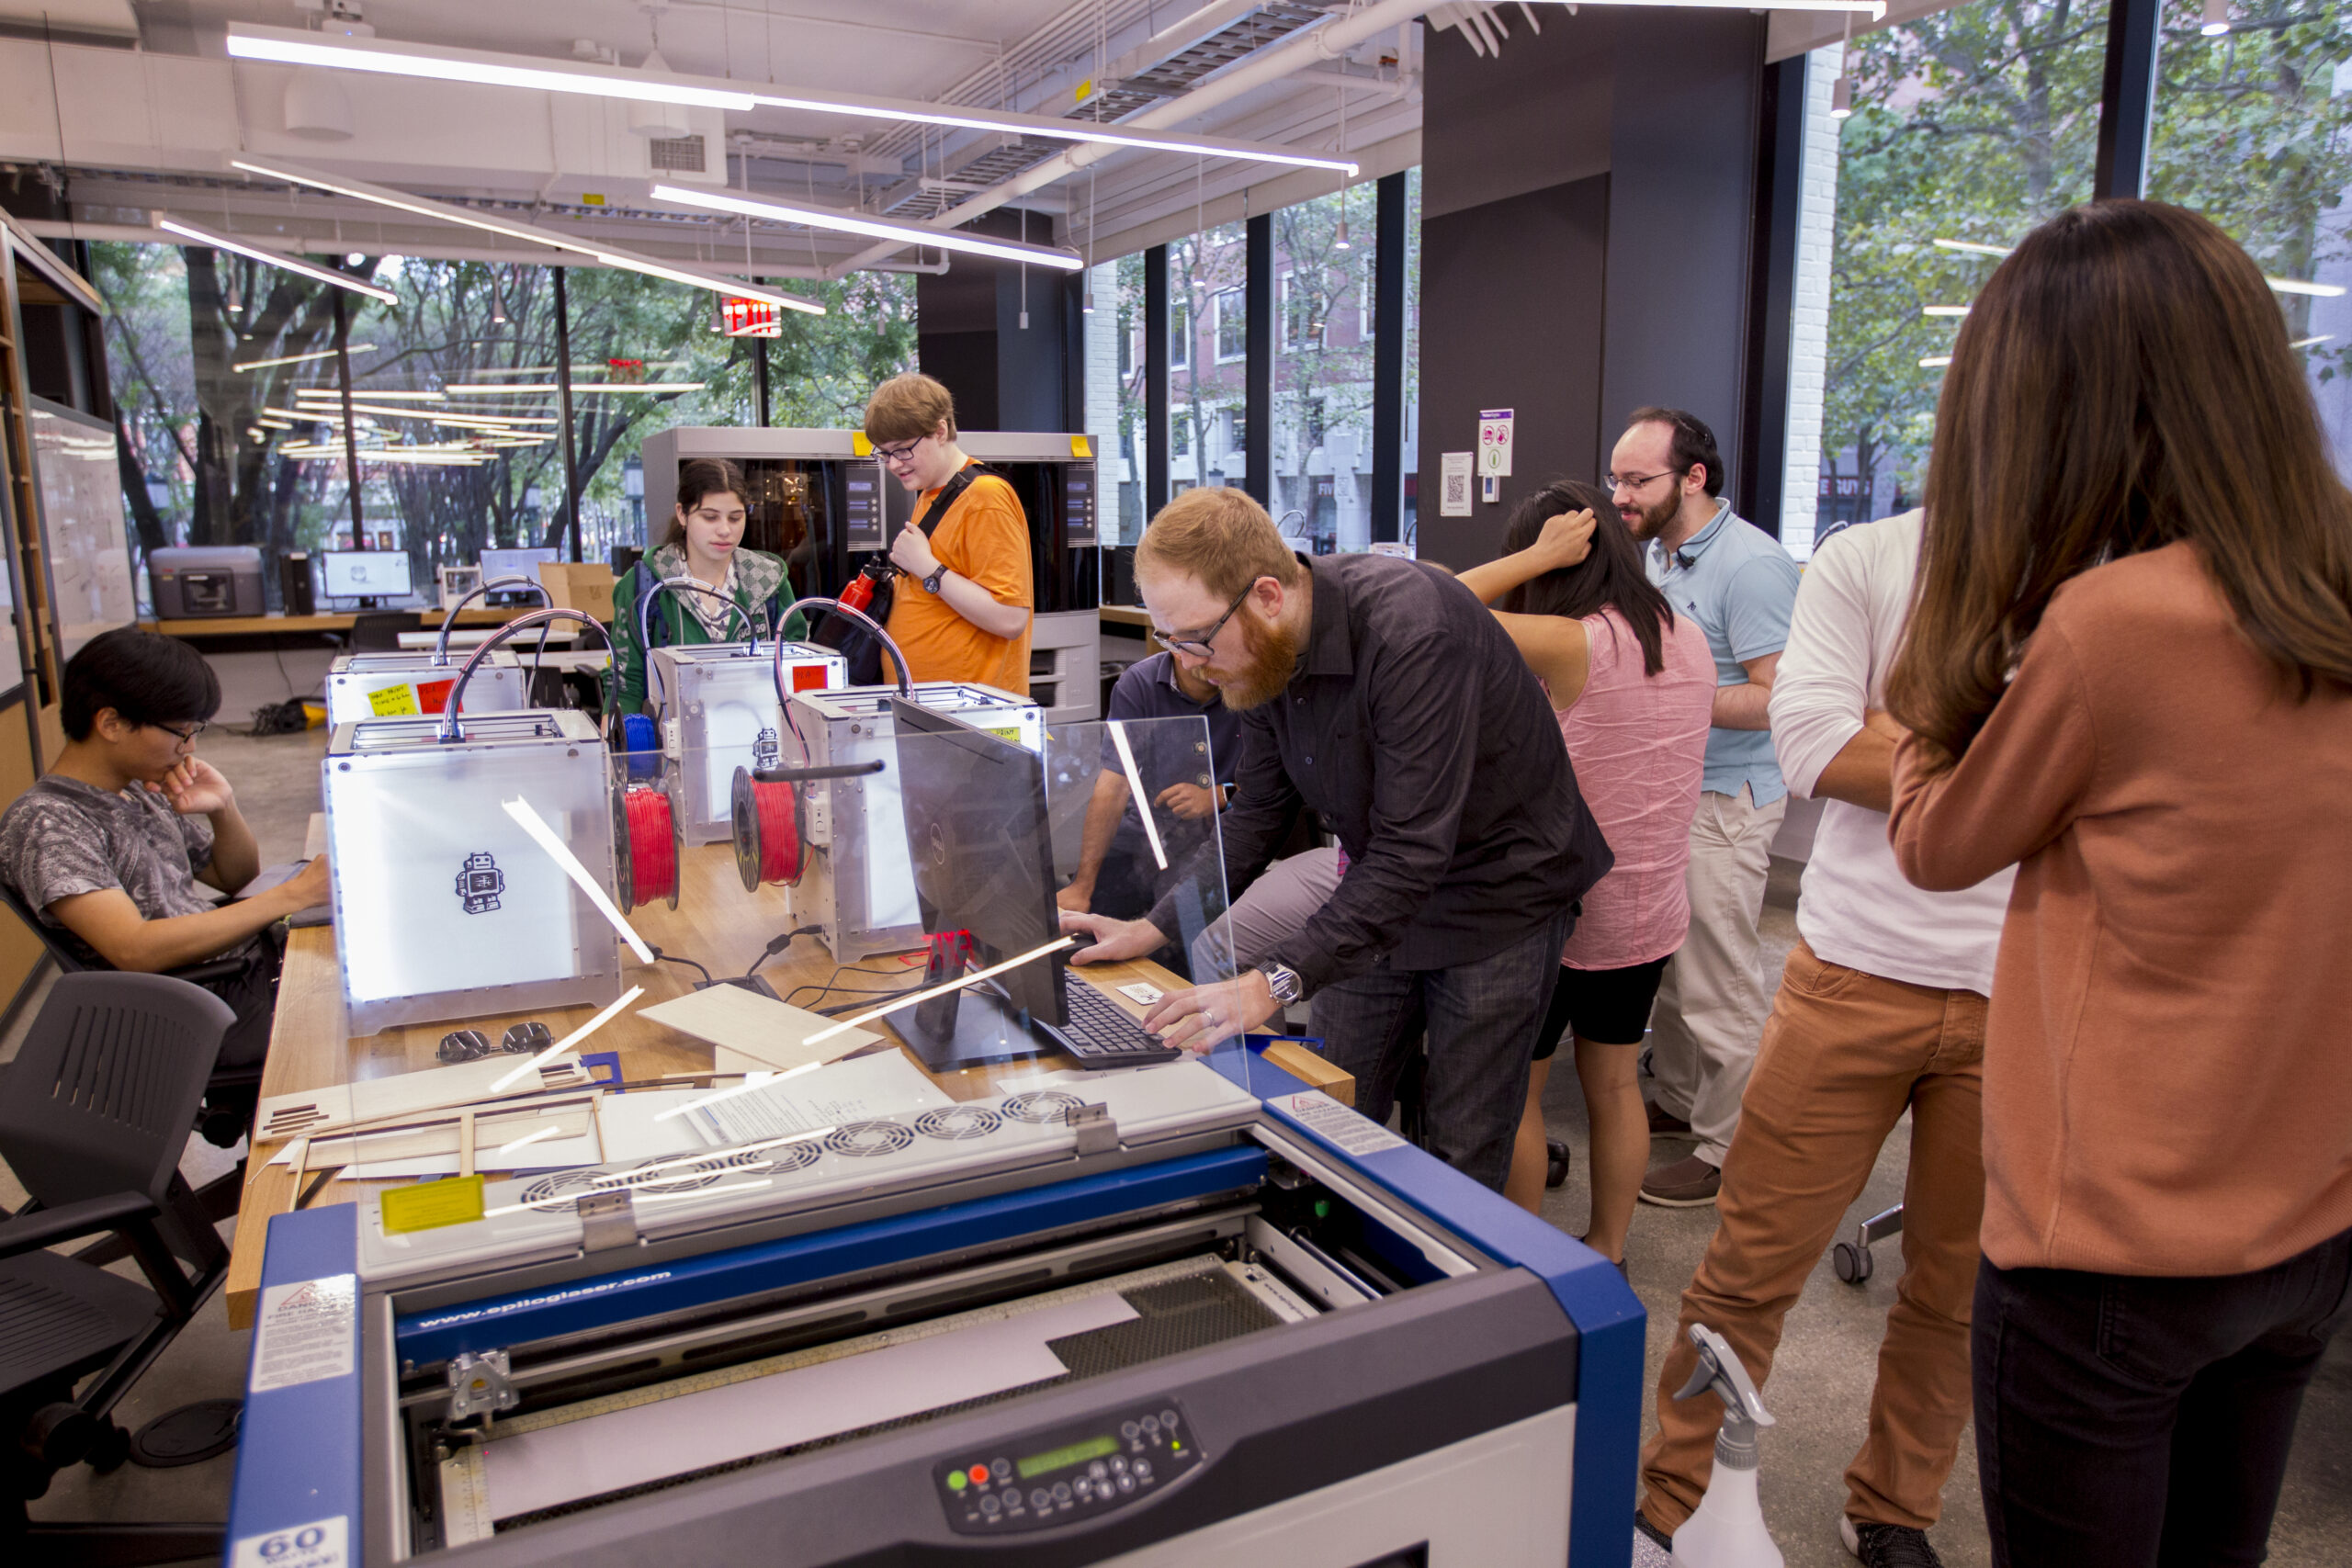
(1378,692)
(1739,585)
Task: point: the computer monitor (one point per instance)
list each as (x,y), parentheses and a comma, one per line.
(522,563)
(367,575)
(982,848)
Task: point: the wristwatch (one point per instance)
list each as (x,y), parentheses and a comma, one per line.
(1282,981)
(938,575)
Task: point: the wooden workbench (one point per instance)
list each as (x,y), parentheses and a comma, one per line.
(310,1045)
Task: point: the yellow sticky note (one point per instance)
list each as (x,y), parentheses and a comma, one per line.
(860,445)
(393,702)
(428,1205)
(1080,448)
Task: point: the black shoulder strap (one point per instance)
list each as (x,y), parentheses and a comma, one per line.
(948,495)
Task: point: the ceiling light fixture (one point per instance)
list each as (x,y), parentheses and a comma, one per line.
(606,255)
(1935,362)
(2217,18)
(372,393)
(653,84)
(2313,342)
(1943,310)
(873,228)
(283,263)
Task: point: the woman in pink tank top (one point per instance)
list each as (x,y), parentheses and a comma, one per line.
(1635,689)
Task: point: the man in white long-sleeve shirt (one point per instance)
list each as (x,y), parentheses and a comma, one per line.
(1881,1010)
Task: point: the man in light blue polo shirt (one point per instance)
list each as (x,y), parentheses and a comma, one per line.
(1734,580)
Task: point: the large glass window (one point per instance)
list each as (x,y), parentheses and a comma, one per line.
(2253,129)
(1969,126)
(1323,436)
(1205,274)
(233,397)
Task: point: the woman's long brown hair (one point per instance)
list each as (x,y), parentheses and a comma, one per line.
(2123,382)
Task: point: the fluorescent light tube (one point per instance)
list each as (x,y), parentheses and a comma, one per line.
(380,195)
(244,365)
(283,263)
(873,228)
(2279,285)
(1943,310)
(1935,362)
(433,62)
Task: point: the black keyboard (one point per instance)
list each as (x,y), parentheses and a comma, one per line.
(1102,1033)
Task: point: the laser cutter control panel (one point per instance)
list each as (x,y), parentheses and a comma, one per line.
(1064,1475)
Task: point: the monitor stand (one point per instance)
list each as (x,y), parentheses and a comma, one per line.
(368,605)
(971,1028)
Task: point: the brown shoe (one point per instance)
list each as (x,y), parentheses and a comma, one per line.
(1665,1126)
(1689,1183)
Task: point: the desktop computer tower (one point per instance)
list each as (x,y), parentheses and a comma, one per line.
(296,593)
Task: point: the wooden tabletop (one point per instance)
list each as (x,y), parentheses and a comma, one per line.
(310,1044)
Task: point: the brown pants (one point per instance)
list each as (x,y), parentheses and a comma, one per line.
(1843,1055)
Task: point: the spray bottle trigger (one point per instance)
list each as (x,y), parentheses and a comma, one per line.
(1719,1368)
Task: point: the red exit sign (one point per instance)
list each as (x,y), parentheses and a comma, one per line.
(748,318)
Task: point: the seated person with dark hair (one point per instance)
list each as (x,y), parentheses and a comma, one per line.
(1117,875)
(108,846)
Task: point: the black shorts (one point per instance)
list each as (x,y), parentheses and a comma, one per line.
(1608,1007)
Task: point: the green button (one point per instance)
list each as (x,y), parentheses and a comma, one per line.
(956,1480)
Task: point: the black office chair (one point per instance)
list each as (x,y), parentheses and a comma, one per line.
(379,631)
(94,1115)
(231,1094)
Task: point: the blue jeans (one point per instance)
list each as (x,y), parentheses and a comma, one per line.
(2130,1420)
(1482,1019)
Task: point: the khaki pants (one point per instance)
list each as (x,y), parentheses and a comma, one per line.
(1846,1054)
(1710,1004)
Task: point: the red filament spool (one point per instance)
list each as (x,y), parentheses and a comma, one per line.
(653,848)
(767,831)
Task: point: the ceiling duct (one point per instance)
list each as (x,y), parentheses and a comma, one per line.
(317,108)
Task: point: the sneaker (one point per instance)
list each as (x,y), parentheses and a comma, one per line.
(1658,1537)
(1885,1546)
(1665,1126)
(1689,1183)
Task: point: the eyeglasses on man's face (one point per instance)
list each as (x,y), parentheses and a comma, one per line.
(1616,482)
(185,736)
(904,452)
(1198,644)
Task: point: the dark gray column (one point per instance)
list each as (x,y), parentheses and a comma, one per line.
(1154,380)
(563,407)
(2127,97)
(1760,483)
(1389,241)
(1258,378)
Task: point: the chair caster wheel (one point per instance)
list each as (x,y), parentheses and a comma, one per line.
(1852,1263)
(107,1453)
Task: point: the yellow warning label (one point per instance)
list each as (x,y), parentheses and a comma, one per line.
(428,1205)
(393,702)
(1079,448)
(860,445)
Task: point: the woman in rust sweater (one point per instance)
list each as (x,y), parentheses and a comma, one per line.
(2129,673)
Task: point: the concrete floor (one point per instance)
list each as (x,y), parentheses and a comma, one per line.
(1820,1389)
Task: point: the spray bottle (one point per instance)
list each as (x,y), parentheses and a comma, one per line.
(1727,1531)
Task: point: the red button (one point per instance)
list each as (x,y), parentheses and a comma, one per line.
(979,1474)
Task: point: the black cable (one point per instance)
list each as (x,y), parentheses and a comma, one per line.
(778,945)
(674,958)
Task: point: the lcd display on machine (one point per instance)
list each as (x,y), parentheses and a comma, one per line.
(1063,1458)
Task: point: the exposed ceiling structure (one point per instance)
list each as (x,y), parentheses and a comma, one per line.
(133,110)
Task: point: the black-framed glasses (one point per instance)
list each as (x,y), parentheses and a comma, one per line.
(1616,482)
(1198,647)
(901,453)
(185,736)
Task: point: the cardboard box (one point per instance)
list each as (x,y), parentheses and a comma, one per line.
(584,585)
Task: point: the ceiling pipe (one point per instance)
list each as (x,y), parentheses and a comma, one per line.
(1324,43)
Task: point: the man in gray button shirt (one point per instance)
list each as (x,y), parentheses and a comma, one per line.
(1734,580)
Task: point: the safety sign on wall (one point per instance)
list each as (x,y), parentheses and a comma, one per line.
(1453,484)
(1494,443)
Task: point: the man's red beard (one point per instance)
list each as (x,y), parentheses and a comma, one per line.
(1272,653)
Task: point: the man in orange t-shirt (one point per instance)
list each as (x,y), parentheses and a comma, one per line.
(962,610)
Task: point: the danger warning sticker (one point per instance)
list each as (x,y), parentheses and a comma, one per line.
(307,1331)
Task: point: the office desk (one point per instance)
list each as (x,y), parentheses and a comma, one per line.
(254,625)
(311,1046)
